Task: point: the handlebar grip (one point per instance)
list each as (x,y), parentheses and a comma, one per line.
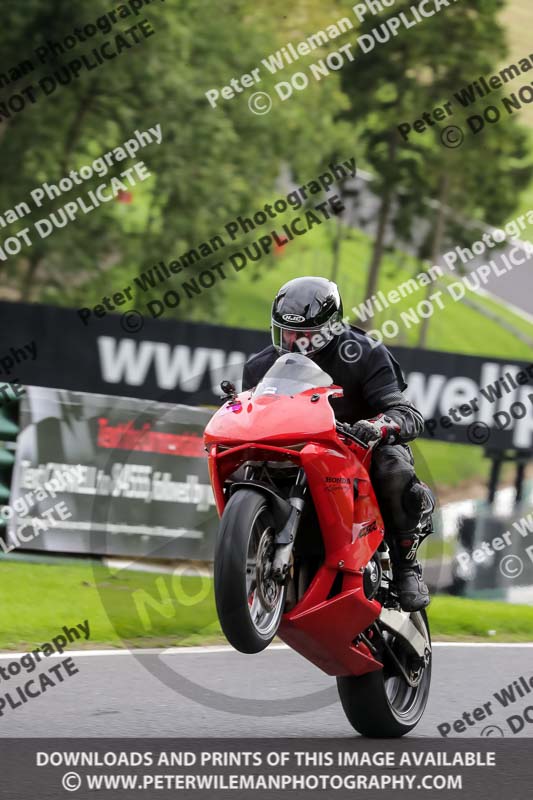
(339,427)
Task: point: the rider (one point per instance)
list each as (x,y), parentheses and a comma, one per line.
(307,318)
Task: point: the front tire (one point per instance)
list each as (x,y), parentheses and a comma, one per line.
(382,704)
(249,602)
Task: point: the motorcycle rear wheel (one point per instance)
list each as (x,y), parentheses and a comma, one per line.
(382,704)
(249,602)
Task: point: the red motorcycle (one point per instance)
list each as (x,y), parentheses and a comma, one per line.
(300,550)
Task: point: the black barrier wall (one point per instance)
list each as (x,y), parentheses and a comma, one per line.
(464,399)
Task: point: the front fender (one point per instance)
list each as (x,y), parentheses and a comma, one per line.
(280,507)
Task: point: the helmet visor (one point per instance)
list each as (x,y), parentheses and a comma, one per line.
(296,340)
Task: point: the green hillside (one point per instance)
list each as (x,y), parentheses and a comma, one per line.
(456,328)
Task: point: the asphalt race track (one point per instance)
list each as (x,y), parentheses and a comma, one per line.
(219,692)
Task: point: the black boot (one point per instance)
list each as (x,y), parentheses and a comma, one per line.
(407,571)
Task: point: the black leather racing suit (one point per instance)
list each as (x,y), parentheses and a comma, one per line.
(373,383)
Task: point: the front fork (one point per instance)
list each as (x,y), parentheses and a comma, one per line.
(285,538)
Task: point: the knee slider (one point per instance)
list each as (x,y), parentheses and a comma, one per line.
(417,500)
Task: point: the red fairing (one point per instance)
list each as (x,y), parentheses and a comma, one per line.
(274,419)
(267,428)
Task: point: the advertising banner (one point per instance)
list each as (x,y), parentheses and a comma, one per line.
(109,475)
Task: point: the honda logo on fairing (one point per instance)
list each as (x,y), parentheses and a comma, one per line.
(293,318)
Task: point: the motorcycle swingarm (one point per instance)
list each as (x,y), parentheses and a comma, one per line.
(399,622)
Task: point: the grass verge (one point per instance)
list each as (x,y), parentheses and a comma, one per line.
(480,620)
(137,609)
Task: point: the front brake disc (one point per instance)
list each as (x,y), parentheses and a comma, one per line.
(266,587)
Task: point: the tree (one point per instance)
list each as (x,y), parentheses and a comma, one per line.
(414,72)
(213,164)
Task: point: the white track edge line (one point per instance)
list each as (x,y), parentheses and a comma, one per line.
(223,649)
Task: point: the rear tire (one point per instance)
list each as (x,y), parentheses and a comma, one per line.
(382,704)
(249,604)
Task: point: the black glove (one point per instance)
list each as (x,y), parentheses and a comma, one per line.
(379,430)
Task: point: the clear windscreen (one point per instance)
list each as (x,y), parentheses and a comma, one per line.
(291,374)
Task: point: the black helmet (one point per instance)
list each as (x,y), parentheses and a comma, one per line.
(306,315)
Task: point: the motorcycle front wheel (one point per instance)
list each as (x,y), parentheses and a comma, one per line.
(249,602)
(383,704)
